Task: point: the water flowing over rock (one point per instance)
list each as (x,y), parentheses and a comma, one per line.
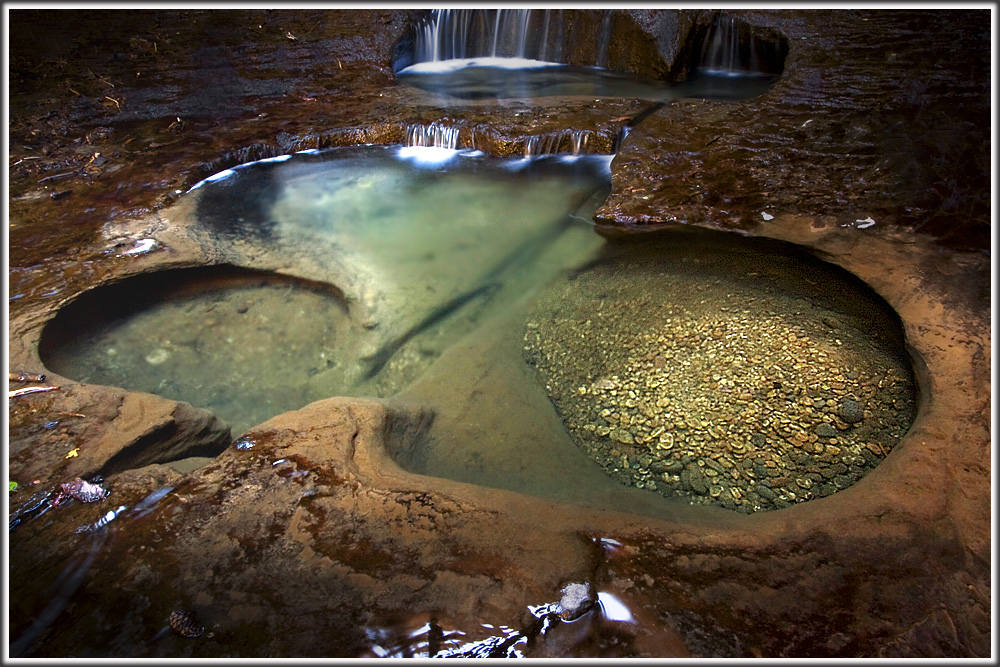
(433,135)
(527,34)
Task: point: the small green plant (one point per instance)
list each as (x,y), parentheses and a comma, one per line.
(12,485)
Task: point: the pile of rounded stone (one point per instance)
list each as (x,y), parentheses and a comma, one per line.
(719,393)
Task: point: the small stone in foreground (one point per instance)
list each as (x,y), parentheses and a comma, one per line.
(824,430)
(850,411)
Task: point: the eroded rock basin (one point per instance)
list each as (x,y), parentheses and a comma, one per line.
(288,495)
(740,373)
(310,540)
(238,343)
(731,372)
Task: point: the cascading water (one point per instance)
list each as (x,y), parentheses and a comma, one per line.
(604,41)
(552,143)
(512,25)
(458,34)
(434,135)
(725,54)
(478,54)
(620,138)
(729,60)
(446,137)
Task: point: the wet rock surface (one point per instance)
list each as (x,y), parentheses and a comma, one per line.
(312,542)
(861,102)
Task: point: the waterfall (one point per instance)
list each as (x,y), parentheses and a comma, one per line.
(541,144)
(455,34)
(604,40)
(551,142)
(446,34)
(725,53)
(434,135)
(620,138)
(510,34)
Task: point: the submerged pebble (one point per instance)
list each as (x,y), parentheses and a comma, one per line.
(850,411)
(720,392)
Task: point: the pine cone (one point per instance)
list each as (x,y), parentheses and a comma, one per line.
(186,624)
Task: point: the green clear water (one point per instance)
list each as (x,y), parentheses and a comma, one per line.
(244,349)
(420,244)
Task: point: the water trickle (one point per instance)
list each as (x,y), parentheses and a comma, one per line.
(620,138)
(573,142)
(583,627)
(434,135)
(604,40)
(731,49)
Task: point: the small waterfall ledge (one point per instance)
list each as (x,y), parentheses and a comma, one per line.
(563,142)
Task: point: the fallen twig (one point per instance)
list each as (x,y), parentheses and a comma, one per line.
(100,78)
(54,176)
(26,377)
(27,390)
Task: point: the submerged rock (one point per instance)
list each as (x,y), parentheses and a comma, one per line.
(575,601)
(84,491)
(850,411)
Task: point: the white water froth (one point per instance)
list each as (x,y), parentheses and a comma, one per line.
(214,177)
(457,64)
(428,155)
(227,173)
(613,609)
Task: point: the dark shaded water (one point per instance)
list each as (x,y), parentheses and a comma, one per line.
(498,78)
